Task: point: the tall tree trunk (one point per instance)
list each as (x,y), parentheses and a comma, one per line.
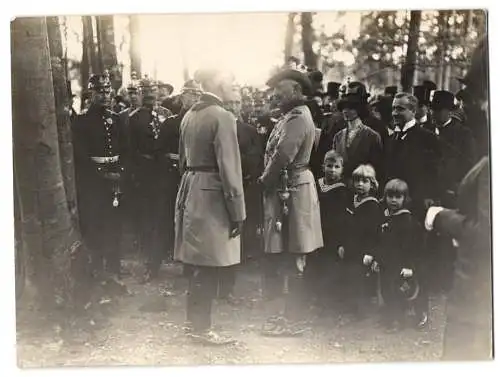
(47,232)
(85,65)
(290,32)
(62,105)
(442,43)
(108,49)
(135,54)
(98,34)
(310,58)
(408,70)
(89,56)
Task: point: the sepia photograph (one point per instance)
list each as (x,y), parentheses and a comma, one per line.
(300,187)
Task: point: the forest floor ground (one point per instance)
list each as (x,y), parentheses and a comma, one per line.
(144,328)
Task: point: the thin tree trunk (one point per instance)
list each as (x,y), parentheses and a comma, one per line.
(290,32)
(47,231)
(310,58)
(63,105)
(408,70)
(98,34)
(135,54)
(85,66)
(441,44)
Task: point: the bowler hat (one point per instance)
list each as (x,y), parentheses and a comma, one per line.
(294,75)
(430,85)
(442,99)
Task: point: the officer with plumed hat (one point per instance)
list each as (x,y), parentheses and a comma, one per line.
(100,140)
(292,225)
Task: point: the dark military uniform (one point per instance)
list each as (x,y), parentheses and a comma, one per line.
(252,163)
(148,149)
(101,149)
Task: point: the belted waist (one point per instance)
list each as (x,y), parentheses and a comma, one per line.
(297,169)
(203,169)
(105,160)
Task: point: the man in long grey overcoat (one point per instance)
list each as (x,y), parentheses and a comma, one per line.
(290,237)
(210,206)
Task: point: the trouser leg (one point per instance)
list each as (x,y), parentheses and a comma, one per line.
(202,290)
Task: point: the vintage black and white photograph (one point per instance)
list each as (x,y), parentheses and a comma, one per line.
(252,188)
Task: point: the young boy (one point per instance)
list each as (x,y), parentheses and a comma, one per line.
(363,235)
(398,252)
(334,200)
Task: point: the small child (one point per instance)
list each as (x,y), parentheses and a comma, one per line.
(334,200)
(397,254)
(363,232)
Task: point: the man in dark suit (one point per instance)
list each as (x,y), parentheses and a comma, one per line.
(457,145)
(413,154)
(422,93)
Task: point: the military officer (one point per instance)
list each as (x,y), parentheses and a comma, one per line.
(190,94)
(292,225)
(148,145)
(210,206)
(100,142)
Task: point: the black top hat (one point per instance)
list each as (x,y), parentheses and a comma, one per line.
(390,90)
(294,75)
(423,94)
(332,89)
(98,81)
(442,99)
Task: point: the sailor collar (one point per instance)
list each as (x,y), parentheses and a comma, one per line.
(324,187)
(364,200)
(400,212)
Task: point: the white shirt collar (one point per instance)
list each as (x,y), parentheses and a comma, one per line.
(423,119)
(407,126)
(390,131)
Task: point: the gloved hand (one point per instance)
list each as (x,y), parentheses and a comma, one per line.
(430,216)
(236,229)
(341,252)
(406,272)
(367,259)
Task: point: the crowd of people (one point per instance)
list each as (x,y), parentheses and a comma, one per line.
(336,193)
